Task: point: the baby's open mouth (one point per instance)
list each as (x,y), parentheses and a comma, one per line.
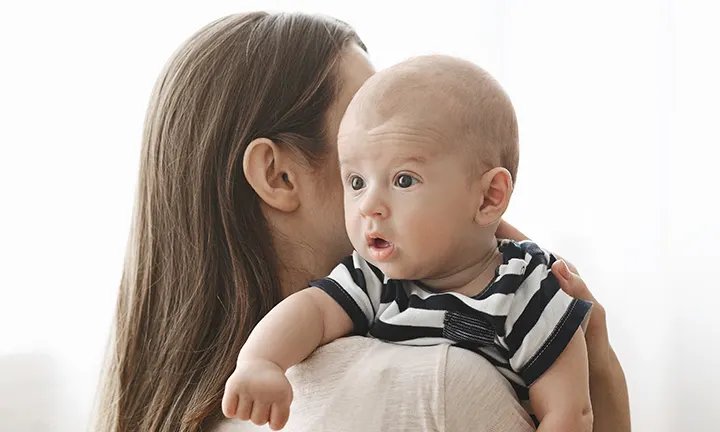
(379,249)
(378,243)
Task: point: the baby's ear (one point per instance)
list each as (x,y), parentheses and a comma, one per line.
(496,186)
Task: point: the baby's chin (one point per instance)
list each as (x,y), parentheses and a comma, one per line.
(393,273)
(395,270)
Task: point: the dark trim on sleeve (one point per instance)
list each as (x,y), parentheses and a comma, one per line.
(334,290)
(557,342)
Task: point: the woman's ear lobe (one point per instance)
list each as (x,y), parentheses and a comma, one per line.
(496,186)
(270,172)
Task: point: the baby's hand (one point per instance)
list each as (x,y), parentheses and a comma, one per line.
(258,390)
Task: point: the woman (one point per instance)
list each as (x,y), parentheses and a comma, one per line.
(239,205)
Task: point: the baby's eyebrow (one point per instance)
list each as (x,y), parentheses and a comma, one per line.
(395,161)
(345,161)
(412,158)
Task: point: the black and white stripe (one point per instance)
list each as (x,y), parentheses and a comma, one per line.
(521,323)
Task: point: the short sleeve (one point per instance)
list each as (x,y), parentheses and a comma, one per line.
(356,286)
(542,318)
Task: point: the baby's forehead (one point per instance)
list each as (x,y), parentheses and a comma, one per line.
(400,126)
(398,138)
(416,107)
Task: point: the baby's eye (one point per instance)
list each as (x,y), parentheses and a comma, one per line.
(357,183)
(405,181)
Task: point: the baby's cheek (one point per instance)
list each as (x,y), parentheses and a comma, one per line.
(354,229)
(430,231)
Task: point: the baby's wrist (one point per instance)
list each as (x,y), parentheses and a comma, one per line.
(249,360)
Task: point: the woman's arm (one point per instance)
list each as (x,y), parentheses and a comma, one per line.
(608,388)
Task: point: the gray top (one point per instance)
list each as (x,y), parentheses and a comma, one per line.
(366,385)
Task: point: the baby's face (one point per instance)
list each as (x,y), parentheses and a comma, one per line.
(406,195)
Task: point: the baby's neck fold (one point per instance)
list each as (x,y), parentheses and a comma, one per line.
(470,279)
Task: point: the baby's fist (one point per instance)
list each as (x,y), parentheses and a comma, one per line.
(258,390)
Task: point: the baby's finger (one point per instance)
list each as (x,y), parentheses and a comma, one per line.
(279,414)
(229,404)
(245,408)
(260,413)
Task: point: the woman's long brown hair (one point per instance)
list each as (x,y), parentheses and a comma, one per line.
(200,271)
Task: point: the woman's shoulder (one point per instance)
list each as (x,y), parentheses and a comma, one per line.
(365,356)
(478,397)
(363,384)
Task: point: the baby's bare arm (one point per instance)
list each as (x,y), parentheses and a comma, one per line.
(295,328)
(561,397)
(258,389)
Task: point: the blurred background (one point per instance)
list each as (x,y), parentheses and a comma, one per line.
(618,105)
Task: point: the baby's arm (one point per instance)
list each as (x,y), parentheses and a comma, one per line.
(295,328)
(258,389)
(560,398)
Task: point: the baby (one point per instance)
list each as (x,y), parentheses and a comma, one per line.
(428,154)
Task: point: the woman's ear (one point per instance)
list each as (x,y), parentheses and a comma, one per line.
(496,187)
(271,172)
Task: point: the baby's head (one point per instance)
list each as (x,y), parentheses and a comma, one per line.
(428,153)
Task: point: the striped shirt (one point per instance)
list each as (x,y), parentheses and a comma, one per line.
(521,322)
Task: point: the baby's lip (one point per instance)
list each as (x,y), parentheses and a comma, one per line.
(379,248)
(378,241)
(372,236)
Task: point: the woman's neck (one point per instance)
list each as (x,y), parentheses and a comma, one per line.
(298,262)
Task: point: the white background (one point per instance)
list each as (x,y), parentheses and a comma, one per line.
(618,103)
